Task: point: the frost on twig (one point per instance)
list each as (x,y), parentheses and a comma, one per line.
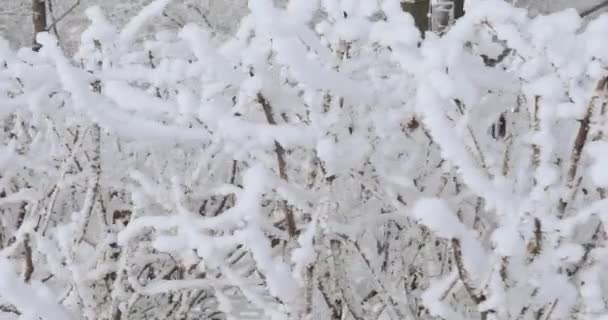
(324,162)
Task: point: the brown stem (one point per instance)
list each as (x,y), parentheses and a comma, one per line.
(21,214)
(593,9)
(222,205)
(53,25)
(9,309)
(536,128)
(177,23)
(463,274)
(383,291)
(29,264)
(282,164)
(63,15)
(579,144)
(346,291)
(39,20)
(334,305)
(551,309)
(588,247)
(534,247)
(308,294)
(94,184)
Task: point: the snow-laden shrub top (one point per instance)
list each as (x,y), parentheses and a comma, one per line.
(325,162)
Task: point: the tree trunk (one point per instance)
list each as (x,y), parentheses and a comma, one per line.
(419,9)
(458,9)
(39,19)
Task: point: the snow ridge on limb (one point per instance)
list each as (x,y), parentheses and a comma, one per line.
(326,162)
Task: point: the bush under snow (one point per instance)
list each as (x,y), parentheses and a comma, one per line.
(325,162)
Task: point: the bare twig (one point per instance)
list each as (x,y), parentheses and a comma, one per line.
(383,291)
(579,144)
(21,214)
(282,164)
(593,9)
(94,187)
(308,294)
(588,247)
(56,21)
(53,19)
(204,17)
(461,109)
(225,199)
(177,23)
(9,309)
(334,306)
(463,274)
(29,264)
(535,246)
(551,309)
(346,291)
(536,128)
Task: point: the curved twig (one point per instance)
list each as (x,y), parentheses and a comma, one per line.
(593,9)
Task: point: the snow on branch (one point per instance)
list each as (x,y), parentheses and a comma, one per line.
(324,162)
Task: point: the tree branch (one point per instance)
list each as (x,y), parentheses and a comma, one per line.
(593,9)
(29,264)
(463,274)
(56,21)
(282,164)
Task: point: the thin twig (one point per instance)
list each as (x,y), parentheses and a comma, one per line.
(225,199)
(345,288)
(204,16)
(579,144)
(594,9)
(179,24)
(383,291)
(53,24)
(63,16)
(9,309)
(535,246)
(536,128)
(588,247)
(282,164)
(463,274)
(29,264)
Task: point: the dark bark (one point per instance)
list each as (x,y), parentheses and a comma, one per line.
(594,9)
(39,20)
(458,9)
(29,264)
(419,9)
(282,165)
